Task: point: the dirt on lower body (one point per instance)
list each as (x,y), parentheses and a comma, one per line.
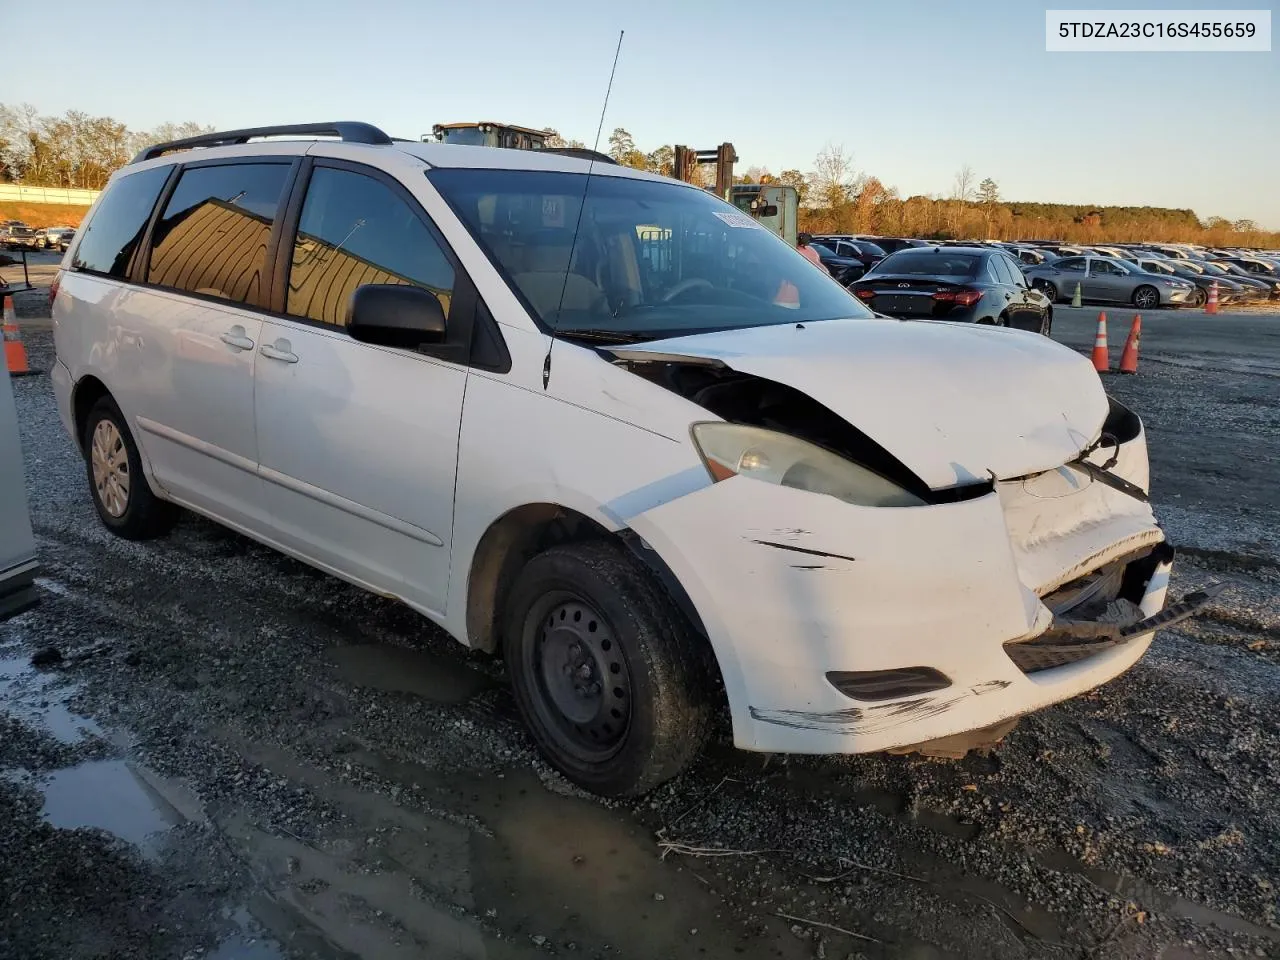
(231,755)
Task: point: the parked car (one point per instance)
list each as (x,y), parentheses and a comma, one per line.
(1259,270)
(970,284)
(1118,253)
(864,251)
(64,240)
(1259,289)
(894,244)
(1228,290)
(20,238)
(1270,282)
(19,562)
(844,269)
(1110,281)
(729,484)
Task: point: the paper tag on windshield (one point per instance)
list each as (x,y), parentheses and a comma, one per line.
(738,220)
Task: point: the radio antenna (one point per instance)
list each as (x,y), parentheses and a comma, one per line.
(573,246)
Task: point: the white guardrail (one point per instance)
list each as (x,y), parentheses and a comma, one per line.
(18,193)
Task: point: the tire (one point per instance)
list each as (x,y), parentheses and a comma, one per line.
(1049,290)
(1046,324)
(127,507)
(1200,298)
(1146,297)
(623,707)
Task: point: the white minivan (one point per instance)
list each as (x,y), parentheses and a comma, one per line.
(605,424)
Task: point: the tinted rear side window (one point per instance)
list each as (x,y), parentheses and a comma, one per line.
(115,229)
(212,238)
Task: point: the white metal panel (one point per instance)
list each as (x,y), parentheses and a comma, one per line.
(358,449)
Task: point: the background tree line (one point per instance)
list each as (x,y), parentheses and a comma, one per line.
(74,149)
(77,150)
(836,197)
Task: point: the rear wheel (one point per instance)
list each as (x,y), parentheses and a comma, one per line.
(612,682)
(1146,297)
(1048,289)
(120,492)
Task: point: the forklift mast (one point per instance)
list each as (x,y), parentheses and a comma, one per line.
(686,161)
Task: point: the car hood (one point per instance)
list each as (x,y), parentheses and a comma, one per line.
(954,402)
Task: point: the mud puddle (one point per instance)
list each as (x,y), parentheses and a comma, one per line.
(108,795)
(492,865)
(30,696)
(419,672)
(1155,900)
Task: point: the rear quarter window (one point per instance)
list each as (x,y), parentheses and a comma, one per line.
(108,240)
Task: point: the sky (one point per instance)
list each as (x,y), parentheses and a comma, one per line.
(911,89)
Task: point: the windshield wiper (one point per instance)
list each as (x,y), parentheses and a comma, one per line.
(605,336)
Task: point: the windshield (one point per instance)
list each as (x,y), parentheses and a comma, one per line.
(651,259)
(1213,268)
(928,263)
(468,136)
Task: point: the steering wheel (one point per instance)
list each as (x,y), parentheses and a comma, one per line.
(684,285)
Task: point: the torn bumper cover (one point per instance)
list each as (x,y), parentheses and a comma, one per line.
(846,629)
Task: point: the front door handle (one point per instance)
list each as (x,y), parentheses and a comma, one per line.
(280,350)
(235,337)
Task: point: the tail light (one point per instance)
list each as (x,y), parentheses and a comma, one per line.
(53,287)
(865,294)
(964,298)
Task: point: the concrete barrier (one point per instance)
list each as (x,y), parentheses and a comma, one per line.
(20,193)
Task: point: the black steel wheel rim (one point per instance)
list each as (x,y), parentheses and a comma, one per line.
(580,682)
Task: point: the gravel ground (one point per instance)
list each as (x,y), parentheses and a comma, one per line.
(234,756)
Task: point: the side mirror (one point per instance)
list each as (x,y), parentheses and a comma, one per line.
(395,315)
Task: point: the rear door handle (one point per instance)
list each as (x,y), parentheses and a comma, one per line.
(280,350)
(235,337)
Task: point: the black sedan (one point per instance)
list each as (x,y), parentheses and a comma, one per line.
(845,269)
(864,251)
(967,284)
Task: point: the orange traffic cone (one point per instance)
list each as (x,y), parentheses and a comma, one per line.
(15,354)
(1129,359)
(1211,306)
(1101,356)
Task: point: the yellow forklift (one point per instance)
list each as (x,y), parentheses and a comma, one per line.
(488,133)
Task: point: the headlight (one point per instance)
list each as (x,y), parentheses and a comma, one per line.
(731,449)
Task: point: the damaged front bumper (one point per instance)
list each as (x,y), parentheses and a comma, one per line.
(845,629)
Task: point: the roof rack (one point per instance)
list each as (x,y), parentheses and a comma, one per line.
(348,130)
(581,153)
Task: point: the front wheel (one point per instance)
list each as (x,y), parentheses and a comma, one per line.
(1146,298)
(1046,324)
(1199,298)
(611,680)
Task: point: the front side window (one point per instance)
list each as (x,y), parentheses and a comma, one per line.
(116,228)
(212,237)
(356,230)
(627,259)
(1071,265)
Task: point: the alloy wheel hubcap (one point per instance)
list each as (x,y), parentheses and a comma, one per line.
(583,676)
(1145,299)
(110,462)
